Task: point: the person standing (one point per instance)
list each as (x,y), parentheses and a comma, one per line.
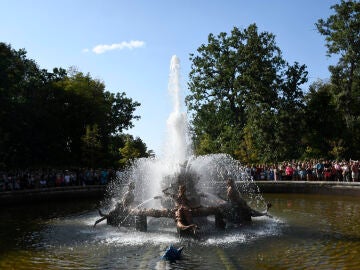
(289,171)
(354,170)
(346,171)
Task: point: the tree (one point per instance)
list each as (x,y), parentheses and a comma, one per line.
(91,147)
(50,118)
(235,84)
(88,104)
(290,114)
(133,149)
(342,36)
(324,126)
(229,78)
(21,82)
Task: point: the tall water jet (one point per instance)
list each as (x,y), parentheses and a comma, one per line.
(151,175)
(178,143)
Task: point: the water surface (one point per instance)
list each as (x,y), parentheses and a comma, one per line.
(307,232)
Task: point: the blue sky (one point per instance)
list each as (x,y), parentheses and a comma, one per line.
(129,44)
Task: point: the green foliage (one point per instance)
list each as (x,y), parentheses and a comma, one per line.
(311,153)
(57,118)
(91,146)
(246,100)
(338,149)
(342,35)
(205,145)
(246,151)
(132,149)
(322,121)
(341,30)
(241,89)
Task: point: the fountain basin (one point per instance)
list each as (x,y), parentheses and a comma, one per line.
(309,232)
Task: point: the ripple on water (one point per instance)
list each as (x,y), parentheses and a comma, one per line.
(72,243)
(317,233)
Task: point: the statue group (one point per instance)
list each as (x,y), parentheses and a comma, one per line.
(232,209)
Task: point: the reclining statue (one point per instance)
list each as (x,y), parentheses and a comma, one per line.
(238,211)
(122,209)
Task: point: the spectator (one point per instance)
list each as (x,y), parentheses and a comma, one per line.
(67,178)
(345,171)
(354,170)
(43,182)
(59,182)
(338,172)
(271,173)
(289,172)
(276,173)
(302,172)
(319,169)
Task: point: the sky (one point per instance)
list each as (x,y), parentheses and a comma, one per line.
(128,44)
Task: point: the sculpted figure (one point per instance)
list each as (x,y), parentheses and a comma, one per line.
(183,210)
(240,211)
(235,210)
(121,209)
(128,197)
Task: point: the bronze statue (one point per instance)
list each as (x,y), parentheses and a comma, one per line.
(183,213)
(235,210)
(240,211)
(122,209)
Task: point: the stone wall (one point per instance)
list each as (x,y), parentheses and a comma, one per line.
(51,194)
(336,188)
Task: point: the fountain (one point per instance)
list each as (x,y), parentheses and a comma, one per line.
(181,186)
(308,231)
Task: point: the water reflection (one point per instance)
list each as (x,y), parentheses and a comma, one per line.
(308,232)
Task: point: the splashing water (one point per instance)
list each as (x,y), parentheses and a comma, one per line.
(202,174)
(137,207)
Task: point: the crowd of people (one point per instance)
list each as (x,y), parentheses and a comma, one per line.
(306,170)
(42,178)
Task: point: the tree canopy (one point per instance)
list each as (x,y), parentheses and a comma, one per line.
(243,96)
(58,118)
(342,39)
(248,101)
(245,100)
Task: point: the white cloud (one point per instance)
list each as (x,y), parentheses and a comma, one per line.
(86,50)
(98,49)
